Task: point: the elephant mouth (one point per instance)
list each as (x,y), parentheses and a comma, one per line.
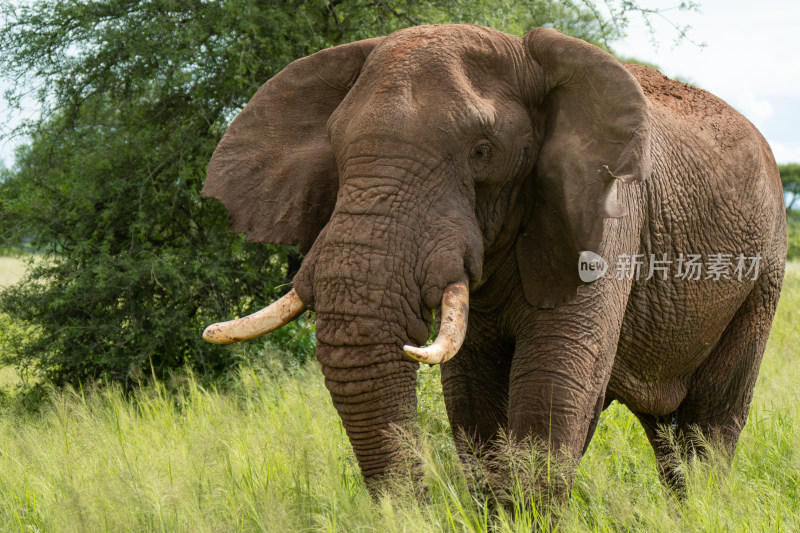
(452,330)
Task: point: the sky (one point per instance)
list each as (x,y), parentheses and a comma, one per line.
(750,59)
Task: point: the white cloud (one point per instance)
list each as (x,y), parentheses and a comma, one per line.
(750,61)
(785,152)
(758,111)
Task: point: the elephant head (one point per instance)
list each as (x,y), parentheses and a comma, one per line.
(408,168)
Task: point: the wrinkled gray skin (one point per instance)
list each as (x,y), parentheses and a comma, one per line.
(401,164)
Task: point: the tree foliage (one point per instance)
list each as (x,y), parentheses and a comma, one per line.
(790,178)
(134,96)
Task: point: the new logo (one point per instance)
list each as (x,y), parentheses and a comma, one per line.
(591,266)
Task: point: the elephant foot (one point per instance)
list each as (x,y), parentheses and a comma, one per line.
(519,478)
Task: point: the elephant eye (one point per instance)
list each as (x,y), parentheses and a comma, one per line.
(482,152)
(480,159)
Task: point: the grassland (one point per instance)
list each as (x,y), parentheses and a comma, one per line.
(265,451)
(11,270)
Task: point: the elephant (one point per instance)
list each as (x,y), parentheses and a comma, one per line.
(583,230)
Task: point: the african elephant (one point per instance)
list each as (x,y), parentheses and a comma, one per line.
(460,168)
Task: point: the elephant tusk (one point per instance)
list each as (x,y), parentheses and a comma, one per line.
(453,328)
(277,314)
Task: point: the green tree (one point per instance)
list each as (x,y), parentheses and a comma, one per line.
(790,178)
(134,96)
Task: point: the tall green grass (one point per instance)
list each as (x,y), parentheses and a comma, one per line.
(266,452)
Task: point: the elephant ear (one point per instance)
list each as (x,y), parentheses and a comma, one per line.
(597,136)
(274,169)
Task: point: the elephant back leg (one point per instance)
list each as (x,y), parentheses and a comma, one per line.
(662,433)
(719,392)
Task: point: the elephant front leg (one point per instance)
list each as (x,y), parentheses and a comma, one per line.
(475,387)
(556,389)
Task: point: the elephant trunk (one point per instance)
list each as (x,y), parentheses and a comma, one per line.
(363,322)
(383,261)
(373,402)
